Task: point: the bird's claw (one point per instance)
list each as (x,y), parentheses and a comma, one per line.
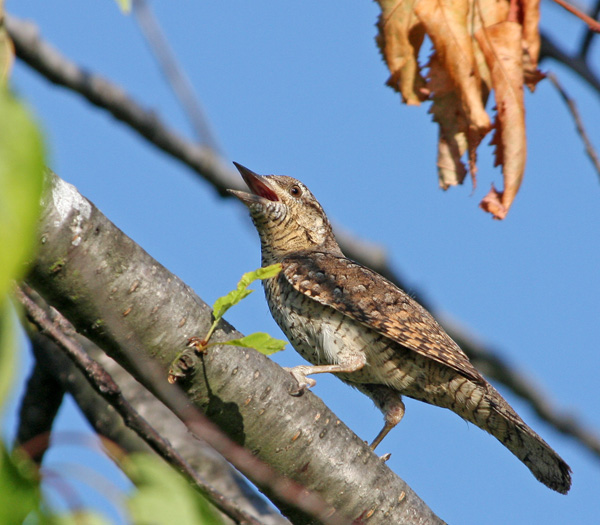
(383,458)
(303,382)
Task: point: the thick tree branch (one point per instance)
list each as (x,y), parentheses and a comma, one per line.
(105,386)
(39,406)
(119,297)
(104,419)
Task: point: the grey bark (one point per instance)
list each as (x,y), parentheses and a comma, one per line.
(215,470)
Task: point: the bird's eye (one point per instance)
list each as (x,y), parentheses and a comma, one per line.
(295,191)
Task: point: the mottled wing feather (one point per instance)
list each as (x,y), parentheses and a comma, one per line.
(369,298)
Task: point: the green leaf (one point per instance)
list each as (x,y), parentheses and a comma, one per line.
(79,517)
(8,336)
(163,496)
(260,341)
(124,6)
(261,273)
(19,490)
(222,304)
(21,182)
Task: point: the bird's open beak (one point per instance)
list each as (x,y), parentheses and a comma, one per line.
(258,185)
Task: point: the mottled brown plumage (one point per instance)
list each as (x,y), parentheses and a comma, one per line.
(348,320)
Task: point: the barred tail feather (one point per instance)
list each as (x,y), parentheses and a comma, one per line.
(506,426)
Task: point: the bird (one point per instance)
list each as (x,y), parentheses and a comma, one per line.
(348,320)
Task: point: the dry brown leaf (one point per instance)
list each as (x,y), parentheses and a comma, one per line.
(400,38)
(447,108)
(479,46)
(485,13)
(502,48)
(492,203)
(531,43)
(446,24)
(448,112)
(451,171)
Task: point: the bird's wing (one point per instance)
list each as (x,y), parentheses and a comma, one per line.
(367,297)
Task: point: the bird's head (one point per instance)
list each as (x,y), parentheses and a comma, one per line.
(286,214)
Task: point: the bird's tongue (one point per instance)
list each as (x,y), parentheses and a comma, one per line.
(261,189)
(256,184)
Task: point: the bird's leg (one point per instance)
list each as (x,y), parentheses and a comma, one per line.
(393,412)
(388,425)
(389,402)
(299,373)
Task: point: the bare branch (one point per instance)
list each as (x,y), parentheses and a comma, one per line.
(176,77)
(575,62)
(100,92)
(571,104)
(589,34)
(592,24)
(493,365)
(39,406)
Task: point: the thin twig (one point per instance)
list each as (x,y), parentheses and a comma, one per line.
(571,104)
(574,62)
(102,93)
(594,25)
(589,34)
(493,364)
(105,386)
(174,74)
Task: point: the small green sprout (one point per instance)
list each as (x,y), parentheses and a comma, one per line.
(260,341)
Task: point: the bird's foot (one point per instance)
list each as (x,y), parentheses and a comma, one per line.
(303,382)
(383,458)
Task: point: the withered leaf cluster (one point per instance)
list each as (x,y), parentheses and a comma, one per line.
(479,46)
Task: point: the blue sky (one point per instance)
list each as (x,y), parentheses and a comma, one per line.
(297,88)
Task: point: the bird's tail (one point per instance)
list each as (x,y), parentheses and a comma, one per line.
(500,420)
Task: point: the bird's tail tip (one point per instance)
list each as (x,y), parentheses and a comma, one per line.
(541,459)
(556,476)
